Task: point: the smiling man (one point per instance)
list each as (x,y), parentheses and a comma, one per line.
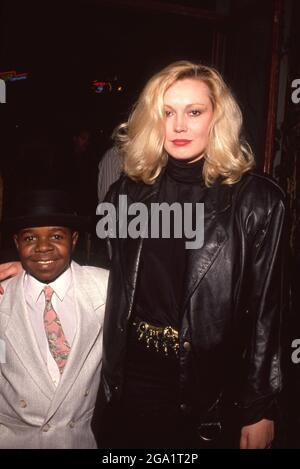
(45,252)
(51,318)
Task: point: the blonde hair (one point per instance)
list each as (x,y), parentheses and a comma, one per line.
(141,139)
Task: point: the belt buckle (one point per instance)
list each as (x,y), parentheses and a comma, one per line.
(161,339)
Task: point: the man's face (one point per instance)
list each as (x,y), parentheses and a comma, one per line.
(45,252)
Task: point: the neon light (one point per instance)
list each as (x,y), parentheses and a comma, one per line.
(6,75)
(19,77)
(99,89)
(100,85)
(12,75)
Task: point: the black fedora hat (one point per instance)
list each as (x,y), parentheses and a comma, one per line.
(44,208)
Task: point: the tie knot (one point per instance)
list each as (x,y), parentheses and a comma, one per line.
(48,292)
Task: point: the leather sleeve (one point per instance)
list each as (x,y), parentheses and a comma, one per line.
(265,294)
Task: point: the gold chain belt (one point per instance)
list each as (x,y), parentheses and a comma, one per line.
(160,339)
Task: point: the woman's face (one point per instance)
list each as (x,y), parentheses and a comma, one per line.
(189,114)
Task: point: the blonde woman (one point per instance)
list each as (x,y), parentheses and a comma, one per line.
(192,329)
(192,336)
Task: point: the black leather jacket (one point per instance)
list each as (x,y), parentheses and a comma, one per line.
(230,340)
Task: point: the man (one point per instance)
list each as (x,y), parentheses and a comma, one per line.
(51,318)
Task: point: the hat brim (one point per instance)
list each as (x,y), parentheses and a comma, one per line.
(77,222)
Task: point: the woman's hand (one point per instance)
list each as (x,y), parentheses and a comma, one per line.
(7,270)
(258,435)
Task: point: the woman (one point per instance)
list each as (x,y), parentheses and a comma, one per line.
(192,336)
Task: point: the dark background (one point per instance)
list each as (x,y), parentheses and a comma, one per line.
(64,46)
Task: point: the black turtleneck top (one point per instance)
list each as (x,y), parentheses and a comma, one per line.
(162,268)
(151,384)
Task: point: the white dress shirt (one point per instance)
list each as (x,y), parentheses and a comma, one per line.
(63,303)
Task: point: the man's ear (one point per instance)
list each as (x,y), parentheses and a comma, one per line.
(15,238)
(75,236)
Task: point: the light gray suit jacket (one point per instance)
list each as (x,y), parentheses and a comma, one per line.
(33,413)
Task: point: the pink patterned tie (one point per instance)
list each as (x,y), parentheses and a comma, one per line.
(58,343)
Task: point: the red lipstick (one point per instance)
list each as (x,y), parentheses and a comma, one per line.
(181,142)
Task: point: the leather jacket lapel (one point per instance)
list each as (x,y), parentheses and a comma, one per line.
(198,261)
(217,201)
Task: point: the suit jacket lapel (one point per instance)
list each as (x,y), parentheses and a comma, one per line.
(21,336)
(89,315)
